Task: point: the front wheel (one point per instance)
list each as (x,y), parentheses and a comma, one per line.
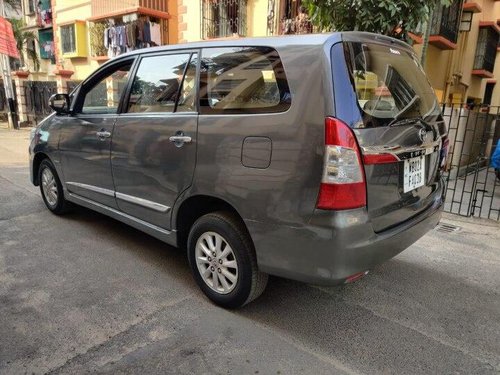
(223,261)
(51,188)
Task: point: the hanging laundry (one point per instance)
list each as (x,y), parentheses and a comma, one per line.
(147,32)
(156,33)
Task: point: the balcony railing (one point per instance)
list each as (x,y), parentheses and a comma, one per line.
(445,23)
(106,7)
(487,43)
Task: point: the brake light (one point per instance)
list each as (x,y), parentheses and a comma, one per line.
(444,153)
(370,159)
(343,183)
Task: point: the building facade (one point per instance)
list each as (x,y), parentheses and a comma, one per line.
(463,56)
(87,33)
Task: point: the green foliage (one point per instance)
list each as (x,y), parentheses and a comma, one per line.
(96,32)
(23,38)
(378,16)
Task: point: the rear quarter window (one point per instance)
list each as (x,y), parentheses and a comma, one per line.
(242,80)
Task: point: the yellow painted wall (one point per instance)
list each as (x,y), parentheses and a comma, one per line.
(442,65)
(193,20)
(68,11)
(257,17)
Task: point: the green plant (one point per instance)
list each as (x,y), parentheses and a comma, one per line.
(378,16)
(23,39)
(96,32)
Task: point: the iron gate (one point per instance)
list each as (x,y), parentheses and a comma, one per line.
(37,98)
(472,186)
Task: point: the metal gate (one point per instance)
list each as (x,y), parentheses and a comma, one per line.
(37,98)
(472,186)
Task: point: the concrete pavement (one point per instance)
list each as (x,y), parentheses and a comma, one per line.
(84,293)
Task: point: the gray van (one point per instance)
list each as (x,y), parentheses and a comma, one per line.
(312,157)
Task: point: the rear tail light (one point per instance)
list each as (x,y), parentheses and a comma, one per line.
(343,183)
(444,153)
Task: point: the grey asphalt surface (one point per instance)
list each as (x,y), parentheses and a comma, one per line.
(85,293)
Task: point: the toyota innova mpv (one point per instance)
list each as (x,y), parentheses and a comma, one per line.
(311,157)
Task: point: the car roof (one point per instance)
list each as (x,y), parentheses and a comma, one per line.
(277,42)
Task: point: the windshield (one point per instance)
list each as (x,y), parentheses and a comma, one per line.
(389,83)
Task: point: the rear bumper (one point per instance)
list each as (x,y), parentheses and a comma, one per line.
(336,245)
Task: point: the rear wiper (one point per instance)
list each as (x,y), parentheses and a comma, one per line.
(405,121)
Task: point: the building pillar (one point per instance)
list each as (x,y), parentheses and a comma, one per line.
(20,80)
(62,78)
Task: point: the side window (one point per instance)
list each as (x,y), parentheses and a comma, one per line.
(104,96)
(165,84)
(243,80)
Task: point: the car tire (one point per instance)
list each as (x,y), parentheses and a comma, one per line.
(222,257)
(51,188)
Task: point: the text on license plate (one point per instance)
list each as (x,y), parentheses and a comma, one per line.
(414,173)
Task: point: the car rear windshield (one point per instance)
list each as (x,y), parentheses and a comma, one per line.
(389,83)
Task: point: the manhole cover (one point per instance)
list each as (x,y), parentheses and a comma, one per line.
(447,228)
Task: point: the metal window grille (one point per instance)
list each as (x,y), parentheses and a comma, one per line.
(31,6)
(446,21)
(68,38)
(223,18)
(486,49)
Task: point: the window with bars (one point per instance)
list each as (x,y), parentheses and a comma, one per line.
(446,20)
(223,18)
(487,43)
(30,6)
(68,39)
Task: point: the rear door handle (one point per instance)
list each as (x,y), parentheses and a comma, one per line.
(179,139)
(103,134)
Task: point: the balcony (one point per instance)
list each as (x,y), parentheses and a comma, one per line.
(111,8)
(486,49)
(445,24)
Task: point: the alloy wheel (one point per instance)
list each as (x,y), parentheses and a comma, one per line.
(216,262)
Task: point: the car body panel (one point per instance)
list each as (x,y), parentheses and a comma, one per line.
(148,166)
(276,197)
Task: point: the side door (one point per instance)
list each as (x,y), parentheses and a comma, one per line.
(154,142)
(85,141)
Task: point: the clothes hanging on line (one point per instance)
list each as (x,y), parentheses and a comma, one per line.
(133,35)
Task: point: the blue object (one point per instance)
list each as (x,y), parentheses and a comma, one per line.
(495,158)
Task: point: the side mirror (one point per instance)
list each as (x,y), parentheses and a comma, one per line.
(60,103)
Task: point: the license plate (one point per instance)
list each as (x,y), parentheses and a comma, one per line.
(414,174)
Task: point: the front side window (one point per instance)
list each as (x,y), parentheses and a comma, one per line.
(164,84)
(243,80)
(103,96)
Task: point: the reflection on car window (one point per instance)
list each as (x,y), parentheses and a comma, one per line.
(159,83)
(243,79)
(104,96)
(389,82)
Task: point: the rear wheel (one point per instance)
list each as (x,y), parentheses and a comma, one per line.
(223,261)
(51,188)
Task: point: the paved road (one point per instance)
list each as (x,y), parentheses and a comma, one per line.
(85,293)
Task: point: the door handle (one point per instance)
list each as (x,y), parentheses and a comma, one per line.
(179,139)
(103,134)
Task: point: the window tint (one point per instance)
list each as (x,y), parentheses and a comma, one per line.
(243,80)
(159,83)
(104,96)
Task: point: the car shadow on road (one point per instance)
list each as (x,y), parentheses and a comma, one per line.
(401,313)
(403,307)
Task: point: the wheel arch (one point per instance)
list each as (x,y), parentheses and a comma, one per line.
(195,207)
(37,160)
